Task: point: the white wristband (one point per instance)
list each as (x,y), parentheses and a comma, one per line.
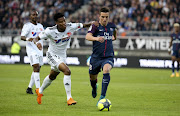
(37,42)
(27,39)
(169,49)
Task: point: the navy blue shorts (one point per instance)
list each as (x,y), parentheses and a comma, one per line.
(96,65)
(176,53)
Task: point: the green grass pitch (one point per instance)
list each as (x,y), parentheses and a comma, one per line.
(133,92)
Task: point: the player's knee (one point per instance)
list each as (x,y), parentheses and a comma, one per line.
(67,72)
(52,77)
(36,68)
(106,70)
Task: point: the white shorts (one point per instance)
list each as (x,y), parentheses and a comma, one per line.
(36,59)
(54,61)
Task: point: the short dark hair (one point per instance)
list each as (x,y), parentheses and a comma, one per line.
(104,9)
(33,10)
(58,15)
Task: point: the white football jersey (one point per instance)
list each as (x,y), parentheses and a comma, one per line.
(59,41)
(30,30)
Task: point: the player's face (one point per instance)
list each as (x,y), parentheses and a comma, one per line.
(176,28)
(104,18)
(61,22)
(34,16)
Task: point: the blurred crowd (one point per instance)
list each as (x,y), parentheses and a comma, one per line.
(14,13)
(137,15)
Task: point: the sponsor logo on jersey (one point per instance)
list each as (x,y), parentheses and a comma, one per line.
(41,29)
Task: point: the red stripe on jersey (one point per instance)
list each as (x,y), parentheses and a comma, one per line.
(105,47)
(105,42)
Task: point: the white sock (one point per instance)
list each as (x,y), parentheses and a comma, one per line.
(47,81)
(37,79)
(67,85)
(31,83)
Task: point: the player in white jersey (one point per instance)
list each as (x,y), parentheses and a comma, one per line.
(31,30)
(59,36)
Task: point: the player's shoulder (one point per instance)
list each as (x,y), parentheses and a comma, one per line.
(39,24)
(172,34)
(69,24)
(111,24)
(27,24)
(51,28)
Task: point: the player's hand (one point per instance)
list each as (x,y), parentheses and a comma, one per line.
(39,46)
(96,23)
(169,52)
(100,39)
(30,39)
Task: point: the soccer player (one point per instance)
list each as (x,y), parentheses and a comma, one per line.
(59,36)
(175,51)
(103,53)
(31,30)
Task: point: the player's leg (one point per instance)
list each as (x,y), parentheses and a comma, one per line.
(173,58)
(94,69)
(36,69)
(93,81)
(47,81)
(31,84)
(35,60)
(67,82)
(177,72)
(106,79)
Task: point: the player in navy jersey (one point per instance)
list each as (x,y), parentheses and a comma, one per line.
(103,53)
(174,49)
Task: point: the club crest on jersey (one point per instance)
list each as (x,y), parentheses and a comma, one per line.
(41,29)
(69,33)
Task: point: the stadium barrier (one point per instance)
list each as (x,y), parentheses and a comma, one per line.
(81,60)
(128,42)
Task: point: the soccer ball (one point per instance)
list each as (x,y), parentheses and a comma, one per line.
(104,105)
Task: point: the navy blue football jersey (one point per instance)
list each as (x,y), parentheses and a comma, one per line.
(105,49)
(176,41)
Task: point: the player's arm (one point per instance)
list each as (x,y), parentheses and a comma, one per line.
(169,49)
(91,23)
(90,37)
(114,34)
(36,41)
(91,31)
(26,39)
(25,31)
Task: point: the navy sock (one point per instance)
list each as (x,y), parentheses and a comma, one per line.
(177,66)
(173,67)
(105,83)
(93,83)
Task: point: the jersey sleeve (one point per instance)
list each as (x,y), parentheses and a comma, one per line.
(92,29)
(113,26)
(44,34)
(25,30)
(76,26)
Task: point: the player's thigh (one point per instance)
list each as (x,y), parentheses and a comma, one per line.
(94,66)
(106,68)
(35,59)
(173,58)
(53,74)
(64,68)
(107,65)
(93,77)
(36,67)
